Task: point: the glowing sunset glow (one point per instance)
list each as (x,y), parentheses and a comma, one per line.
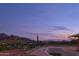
(49,21)
(60,36)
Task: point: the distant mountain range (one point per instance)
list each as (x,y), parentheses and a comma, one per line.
(59,39)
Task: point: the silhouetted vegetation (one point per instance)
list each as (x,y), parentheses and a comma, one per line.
(16,42)
(72,42)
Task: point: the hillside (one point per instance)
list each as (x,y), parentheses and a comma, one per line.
(13,42)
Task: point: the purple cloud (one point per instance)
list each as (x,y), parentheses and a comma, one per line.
(57,28)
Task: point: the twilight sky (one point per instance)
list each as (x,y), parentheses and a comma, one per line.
(50,21)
